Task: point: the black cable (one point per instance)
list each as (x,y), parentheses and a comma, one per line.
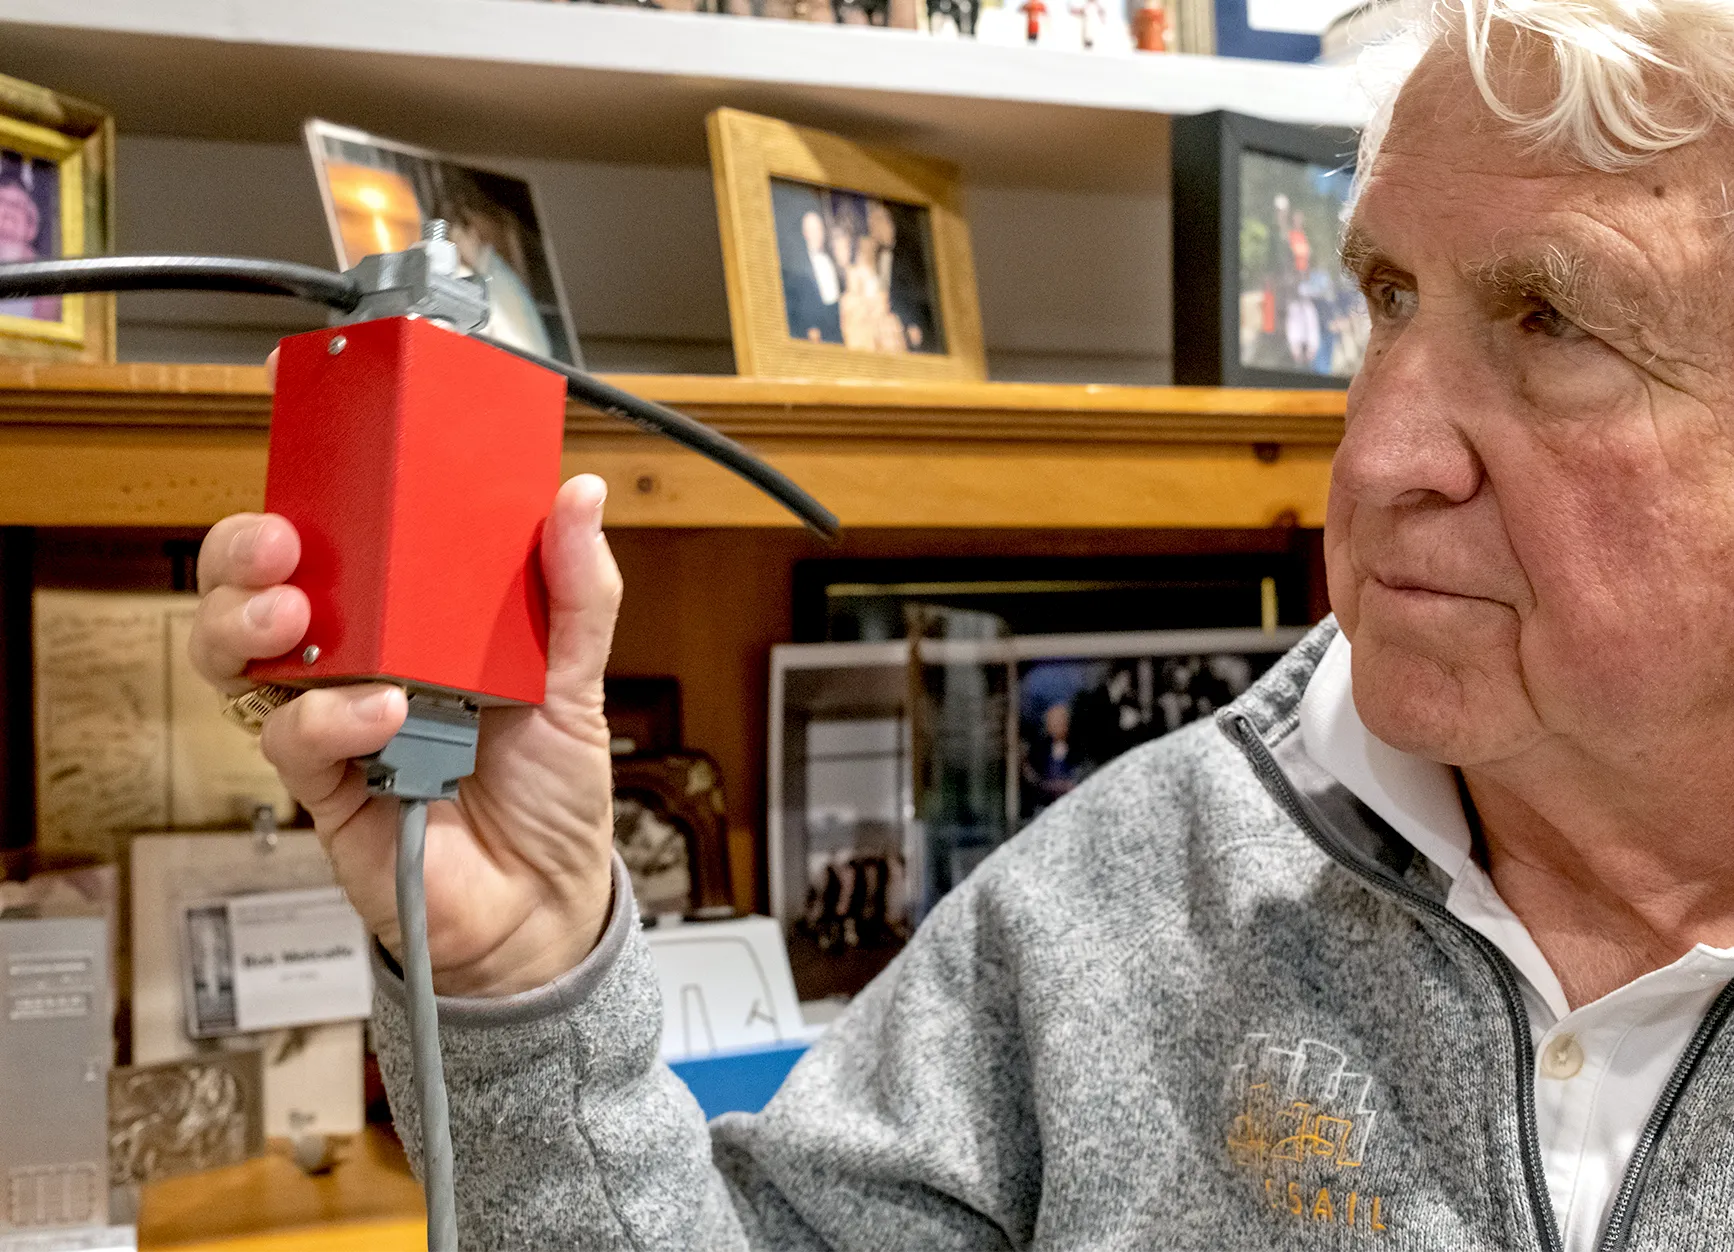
(77,275)
(424,1029)
(659,419)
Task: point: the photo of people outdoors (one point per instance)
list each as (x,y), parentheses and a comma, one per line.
(1298,312)
(29,225)
(856,270)
(378,194)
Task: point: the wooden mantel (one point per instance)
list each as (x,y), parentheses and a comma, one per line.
(182,445)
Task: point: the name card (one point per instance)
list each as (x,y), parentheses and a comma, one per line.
(273,960)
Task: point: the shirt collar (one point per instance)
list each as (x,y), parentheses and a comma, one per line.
(1418,797)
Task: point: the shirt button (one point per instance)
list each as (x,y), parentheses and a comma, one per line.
(1562,1058)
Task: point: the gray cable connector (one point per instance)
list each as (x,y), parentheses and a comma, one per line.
(435,748)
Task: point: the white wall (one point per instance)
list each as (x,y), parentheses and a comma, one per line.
(1074,286)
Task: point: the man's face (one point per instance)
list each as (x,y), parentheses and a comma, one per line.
(1530,538)
(813,231)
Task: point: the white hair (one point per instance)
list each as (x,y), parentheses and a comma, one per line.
(1632,78)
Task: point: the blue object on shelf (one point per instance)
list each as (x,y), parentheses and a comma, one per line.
(1235,37)
(738,1082)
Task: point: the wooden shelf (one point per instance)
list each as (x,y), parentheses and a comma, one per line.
(368,1203)
(612,83)
(161,445)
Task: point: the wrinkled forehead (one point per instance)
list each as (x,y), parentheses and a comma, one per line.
(1454,177)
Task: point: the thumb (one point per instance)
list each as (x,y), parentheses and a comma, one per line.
(584,588)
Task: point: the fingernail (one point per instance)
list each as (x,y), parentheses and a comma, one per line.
(262,607)
(244,541)
(370,708)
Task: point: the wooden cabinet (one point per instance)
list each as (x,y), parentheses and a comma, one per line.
(979,469)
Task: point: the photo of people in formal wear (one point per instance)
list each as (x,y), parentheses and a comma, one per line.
(856,270)
(29,225)
(378,194)
(1075,714)
(1299,313)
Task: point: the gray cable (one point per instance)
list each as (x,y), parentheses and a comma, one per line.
(424,1029)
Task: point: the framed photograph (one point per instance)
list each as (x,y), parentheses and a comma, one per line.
(671,829)
(1085,699)
(1245,29)
(377,194)
(1259,298)
(861,840)
(850,598)
(842,261)
(56,176)
(840,810)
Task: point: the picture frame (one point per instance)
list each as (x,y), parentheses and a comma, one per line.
(851,846)
(1259,300)
(842,261)
(840,794)
(1121,689)
(852,598)
(56,200)
(1236,36)
(378,192)
(673,802)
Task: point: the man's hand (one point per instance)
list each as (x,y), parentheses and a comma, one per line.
(518,869)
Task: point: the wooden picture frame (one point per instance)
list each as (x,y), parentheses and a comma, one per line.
(57,163)
(684,790)
(1211,156)
(922,319)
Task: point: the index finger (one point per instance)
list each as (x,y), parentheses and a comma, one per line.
(251,550)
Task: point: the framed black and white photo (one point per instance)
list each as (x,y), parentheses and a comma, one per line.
(671,830)
(1259,297)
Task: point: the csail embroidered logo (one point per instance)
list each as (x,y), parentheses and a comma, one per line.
(1301,1122)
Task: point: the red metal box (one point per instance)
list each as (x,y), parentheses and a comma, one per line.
(419,466)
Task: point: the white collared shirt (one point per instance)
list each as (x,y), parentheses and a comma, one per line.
(825,276)
(1599,1069)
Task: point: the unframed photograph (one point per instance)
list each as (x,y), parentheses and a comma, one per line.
(378,193)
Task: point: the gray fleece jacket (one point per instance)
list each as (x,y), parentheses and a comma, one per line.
(1208,1001)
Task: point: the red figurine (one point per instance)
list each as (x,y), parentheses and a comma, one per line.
(1034,11)
(1150,26)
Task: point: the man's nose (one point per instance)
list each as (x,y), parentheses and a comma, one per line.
(1404,442)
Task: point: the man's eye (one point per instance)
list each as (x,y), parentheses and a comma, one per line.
(1388,302)
(1544,319)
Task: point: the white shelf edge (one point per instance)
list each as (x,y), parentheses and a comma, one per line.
(592,37)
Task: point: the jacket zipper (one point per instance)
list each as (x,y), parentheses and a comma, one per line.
(1534,1175)
(1618,1233)
(1616,1236)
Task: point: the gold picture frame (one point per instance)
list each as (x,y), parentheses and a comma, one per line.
(919,320)
(57,171)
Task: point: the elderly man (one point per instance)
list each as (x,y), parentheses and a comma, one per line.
(1426,944)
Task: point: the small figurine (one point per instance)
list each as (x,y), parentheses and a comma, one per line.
(1034,11)
(1150,26)
(1090,15)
